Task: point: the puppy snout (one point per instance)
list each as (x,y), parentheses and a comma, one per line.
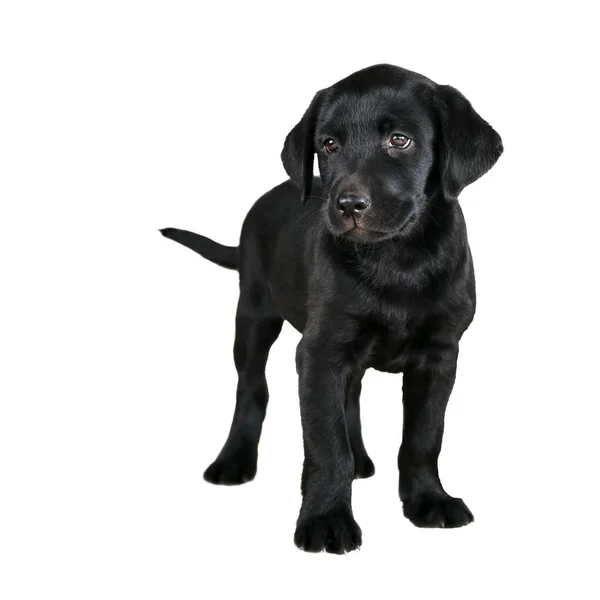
(353,205)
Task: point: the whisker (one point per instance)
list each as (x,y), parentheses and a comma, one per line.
(308,219)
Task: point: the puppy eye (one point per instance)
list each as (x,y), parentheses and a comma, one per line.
(331,146)
(400,141)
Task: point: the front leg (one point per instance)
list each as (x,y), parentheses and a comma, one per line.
(326,521)
(363,465)
(428,382)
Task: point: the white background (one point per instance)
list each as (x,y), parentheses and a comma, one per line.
(118,118)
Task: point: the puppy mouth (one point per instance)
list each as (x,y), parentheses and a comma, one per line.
(359,232)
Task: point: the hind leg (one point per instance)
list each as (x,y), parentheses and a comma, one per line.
(363,465)
(258,324)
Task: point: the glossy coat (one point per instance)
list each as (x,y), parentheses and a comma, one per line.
(386,284)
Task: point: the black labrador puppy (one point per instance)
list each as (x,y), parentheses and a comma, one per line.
(372,265)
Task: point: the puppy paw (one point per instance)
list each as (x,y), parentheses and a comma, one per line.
(336,532)
(363,467)
(438,511)
(232,469)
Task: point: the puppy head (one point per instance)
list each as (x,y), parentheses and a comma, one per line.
(387,140)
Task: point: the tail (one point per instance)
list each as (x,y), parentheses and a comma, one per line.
(224,256)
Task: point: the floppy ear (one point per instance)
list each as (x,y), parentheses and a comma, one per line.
(299,149)
(469,148)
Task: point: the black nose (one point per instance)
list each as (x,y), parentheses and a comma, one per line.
(353,205)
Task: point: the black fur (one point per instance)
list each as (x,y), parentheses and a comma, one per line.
(224,256)
(374,268)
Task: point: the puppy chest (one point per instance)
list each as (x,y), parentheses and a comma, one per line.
(390,348)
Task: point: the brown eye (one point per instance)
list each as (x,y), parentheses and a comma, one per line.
(400,141)
(331,146)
